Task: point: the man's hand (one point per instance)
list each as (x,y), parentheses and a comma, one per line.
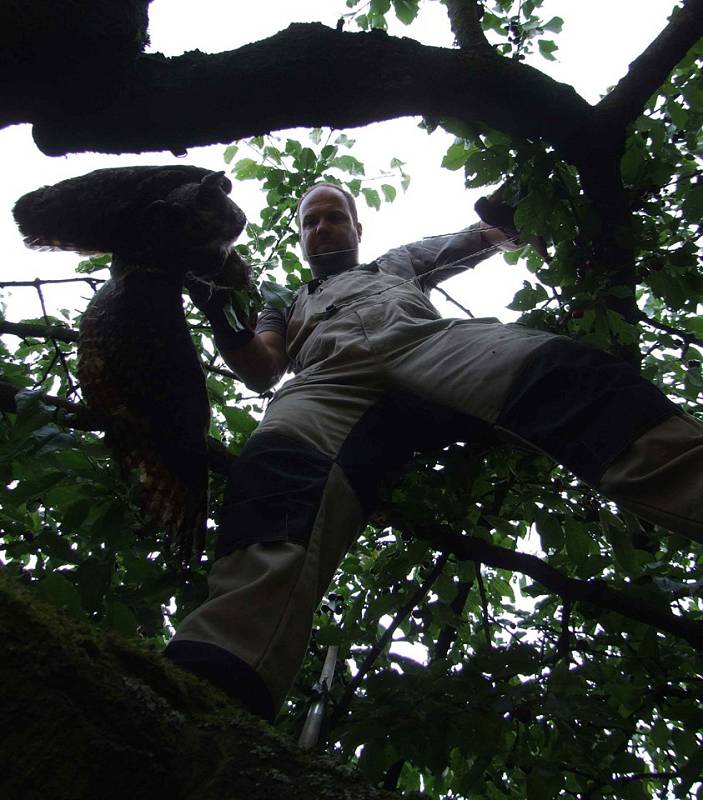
(497,213)
(216,296)
(258,359)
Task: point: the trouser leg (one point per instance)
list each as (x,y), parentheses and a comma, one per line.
(660,476)
(587,410)
(263,597)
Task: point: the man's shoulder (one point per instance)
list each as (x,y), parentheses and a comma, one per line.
(271,319)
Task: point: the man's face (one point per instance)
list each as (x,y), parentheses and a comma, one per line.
(328,234)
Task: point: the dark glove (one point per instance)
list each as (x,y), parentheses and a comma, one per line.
(216,297)
(498,211)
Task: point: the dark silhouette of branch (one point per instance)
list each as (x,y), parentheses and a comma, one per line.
(646,776)
(465,20)
(595,592)
(383,641)
(197,99)
(448,297)
(43,281)
(81,418)
(564,646)
(392,776)
(652,67)
(59,352)
(449,632)
(31,330)
(64,334)
(484,604)
(687,337)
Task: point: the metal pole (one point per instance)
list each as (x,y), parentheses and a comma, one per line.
(310,734)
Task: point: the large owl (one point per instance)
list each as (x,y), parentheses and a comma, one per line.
(137,363)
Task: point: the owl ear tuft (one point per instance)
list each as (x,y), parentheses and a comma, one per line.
(215,180)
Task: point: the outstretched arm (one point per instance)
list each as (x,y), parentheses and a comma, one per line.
(436,258)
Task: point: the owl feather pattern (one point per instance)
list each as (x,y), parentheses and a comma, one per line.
(137,363)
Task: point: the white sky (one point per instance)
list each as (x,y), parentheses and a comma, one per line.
(600,38)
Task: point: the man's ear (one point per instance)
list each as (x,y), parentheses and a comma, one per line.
(359,230)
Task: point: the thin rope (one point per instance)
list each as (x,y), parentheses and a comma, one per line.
(493,248)
(490,249)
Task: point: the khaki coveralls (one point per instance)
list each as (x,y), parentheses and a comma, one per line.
(371,353)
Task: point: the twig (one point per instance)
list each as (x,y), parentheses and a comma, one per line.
(45,375)
(484,604)
(687,337)
(646,776)
(448,297)
(59,353)
(42,281)
(225,373)
(449,632)
(563,647)
(380,645)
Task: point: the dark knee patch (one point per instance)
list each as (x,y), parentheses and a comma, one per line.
(581,406)
(387,436)
(273,493)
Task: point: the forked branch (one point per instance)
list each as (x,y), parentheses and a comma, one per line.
(652,67)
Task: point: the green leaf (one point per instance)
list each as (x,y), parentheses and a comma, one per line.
(372,198)
(550,531)
(547,48)
(60,592)
(693,203)
(275,295)
(239,420)
(348,164)
(245,169)
(230,153)
(405,10)
(555,24)
(306,160)
(389,192)
(578,543)
(93,577)
(120,618)
(52,438)
(456,156)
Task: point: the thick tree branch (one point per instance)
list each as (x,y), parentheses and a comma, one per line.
(81,418)
(596,592)
(652,67)
(90,715)
(465,20)
(197,99)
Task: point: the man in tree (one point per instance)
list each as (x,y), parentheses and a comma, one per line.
(380,375)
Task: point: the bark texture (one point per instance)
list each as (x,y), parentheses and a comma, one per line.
(87,715)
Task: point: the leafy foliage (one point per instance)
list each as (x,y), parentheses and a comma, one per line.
(518,692)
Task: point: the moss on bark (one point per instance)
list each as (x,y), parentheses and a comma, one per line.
(88,715)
